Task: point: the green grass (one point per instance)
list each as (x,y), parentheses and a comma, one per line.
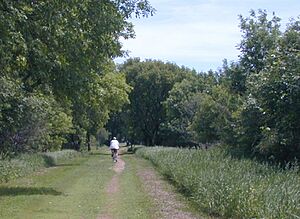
(66,191)
(76,189)
(132,202)
(231,188)
(28,163)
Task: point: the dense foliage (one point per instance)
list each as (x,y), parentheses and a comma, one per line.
(58,83)
(59,87)
(251,104)
(268,121)
(151,81)
(221,185)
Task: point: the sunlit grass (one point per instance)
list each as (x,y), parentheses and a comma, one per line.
(77,188)
(72,189)
(219,184)
(28,163)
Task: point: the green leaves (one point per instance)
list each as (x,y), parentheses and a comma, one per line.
(259,37)
(30,122)
(277,90)
(151,82)
(57,69)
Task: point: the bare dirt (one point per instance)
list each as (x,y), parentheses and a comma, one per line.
(113,187)
(104,217)
(167,204)
(119,166)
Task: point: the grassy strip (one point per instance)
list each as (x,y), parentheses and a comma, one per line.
(78,189)
(228,187)
(133,201)
(72,189)
(27,163)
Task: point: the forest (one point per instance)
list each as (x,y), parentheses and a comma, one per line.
(60,87)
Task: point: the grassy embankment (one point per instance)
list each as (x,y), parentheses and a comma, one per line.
(221,185)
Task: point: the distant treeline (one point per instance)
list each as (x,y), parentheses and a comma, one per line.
(252,104)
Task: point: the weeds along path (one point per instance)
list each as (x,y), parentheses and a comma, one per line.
(91,187)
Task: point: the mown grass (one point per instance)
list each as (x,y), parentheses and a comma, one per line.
(221,185)
(72,189)
(132,201)
(77,188)
(28,163)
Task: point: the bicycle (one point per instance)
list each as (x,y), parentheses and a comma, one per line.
(114,155)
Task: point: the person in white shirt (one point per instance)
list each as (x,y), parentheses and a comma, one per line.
(114,147)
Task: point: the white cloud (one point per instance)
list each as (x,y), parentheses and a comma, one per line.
(195,33)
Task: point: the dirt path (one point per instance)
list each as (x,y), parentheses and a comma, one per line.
(113,188)
(93,187)
(166,200)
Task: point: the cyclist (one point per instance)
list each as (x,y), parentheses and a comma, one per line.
(114,147)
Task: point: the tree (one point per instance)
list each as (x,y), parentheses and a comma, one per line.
(214,119)
(181,106)
(260,36)
(232,75)
(277,92)
(151,82)
(30,122)
(62,52)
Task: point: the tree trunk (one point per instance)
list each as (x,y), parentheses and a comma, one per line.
(88,141)
(153,139)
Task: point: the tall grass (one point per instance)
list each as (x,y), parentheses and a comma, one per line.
(27,163)
(221,185)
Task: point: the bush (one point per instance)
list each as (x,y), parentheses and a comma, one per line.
(228,187)
(30,122)
(28,163)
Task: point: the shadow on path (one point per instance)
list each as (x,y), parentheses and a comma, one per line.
(15,191)
(67,165)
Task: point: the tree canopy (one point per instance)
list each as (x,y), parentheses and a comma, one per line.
(57,71)
(151,81)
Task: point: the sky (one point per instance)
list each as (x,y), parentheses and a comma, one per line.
(198,34)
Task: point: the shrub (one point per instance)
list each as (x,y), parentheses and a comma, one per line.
(30,122)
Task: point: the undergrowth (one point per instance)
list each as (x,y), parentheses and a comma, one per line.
(221,185)
(27,163)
